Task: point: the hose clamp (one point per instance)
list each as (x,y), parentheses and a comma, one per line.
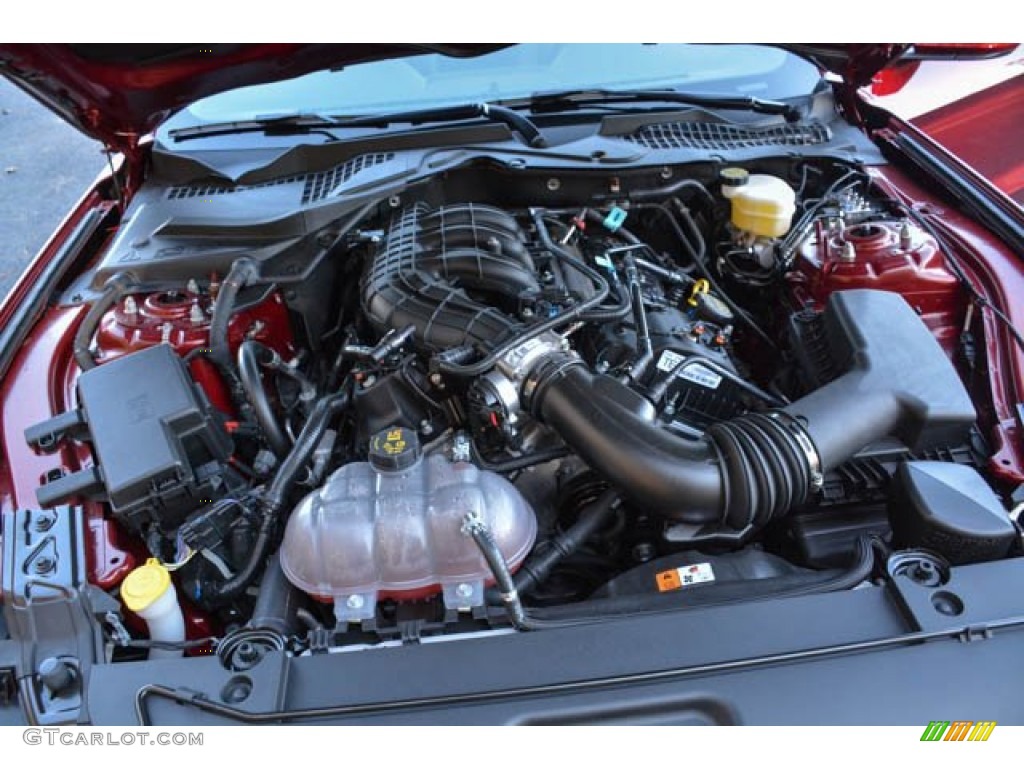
(795,429)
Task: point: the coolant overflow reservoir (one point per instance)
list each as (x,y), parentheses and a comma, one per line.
(392,527)
(762,205)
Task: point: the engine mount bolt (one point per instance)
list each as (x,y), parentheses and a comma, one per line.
(355,602)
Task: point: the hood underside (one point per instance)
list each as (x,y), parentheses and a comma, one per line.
(119,93)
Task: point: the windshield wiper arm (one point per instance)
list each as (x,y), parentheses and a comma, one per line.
(560,100)
(493,112)
(292,124)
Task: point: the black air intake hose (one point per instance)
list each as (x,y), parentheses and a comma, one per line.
(428,261)
(897,383)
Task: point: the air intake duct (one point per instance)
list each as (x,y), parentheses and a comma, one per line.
(896,382)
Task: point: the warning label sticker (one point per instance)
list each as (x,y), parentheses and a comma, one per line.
(694,372)
(687,576)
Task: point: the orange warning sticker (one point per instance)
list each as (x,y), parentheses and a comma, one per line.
(668,580)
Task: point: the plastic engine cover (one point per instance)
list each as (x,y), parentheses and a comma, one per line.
(373,531)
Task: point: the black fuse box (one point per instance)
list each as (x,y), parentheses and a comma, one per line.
(158,446)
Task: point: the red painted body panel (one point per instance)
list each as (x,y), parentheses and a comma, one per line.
(984,130)
(168,316)
(878,260)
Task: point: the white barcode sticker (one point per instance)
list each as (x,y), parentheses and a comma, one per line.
(698,374)
(694,372)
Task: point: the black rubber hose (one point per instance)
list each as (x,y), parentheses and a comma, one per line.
(723,593)
(504,582)
(242,271)
(277,603)
(251,356)
(644,347)
(536,569)
(276,496)
(116,287)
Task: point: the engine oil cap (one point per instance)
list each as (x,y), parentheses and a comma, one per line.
(394,449)
(143,586)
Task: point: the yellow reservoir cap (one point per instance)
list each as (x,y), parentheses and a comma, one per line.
(764,206)
(144,586)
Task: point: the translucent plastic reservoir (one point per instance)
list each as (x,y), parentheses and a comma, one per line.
(763,206)
(370,533)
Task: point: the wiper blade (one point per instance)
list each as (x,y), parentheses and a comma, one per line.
(493,112)
(274,126)
(564,100)
(294,124)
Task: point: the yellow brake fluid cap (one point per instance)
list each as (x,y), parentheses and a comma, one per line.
(144,585)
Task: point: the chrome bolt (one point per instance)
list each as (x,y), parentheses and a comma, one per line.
(130,307)
(195,315)
(465,591)
(192,286)
(554,184)
(44,564)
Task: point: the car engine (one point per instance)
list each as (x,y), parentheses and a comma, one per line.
(490,401)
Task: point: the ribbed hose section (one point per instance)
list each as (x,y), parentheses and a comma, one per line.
(429,261)
(765,472)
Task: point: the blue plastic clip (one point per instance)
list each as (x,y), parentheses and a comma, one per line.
(616,218)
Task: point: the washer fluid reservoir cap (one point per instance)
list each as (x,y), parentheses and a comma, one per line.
(394,449)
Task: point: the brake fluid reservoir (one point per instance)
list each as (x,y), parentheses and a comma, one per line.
(393,527)
(762,205)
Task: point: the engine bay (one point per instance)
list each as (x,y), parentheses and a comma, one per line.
(497,401)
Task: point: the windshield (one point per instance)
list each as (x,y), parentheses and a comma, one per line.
(434,80)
